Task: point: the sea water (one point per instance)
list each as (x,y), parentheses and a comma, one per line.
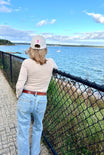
(85,62)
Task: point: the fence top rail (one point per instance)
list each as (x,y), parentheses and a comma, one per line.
(13,55)
(72,77)
(79,79)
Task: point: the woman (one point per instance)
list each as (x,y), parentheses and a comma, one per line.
(31,90)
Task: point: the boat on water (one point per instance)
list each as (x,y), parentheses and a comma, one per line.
(58,51)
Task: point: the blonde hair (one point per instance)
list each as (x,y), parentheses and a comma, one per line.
(38,55)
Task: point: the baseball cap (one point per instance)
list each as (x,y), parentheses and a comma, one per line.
(38,42)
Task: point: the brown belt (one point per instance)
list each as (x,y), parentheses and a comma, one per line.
(34,93)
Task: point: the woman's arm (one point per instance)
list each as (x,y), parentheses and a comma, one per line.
(21,80)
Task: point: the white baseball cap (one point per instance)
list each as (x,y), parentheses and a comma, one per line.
(38,42)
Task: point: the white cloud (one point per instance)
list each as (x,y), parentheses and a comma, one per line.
(45,22)
(76,37)
(42,22)
(52,21)
(3,2)
(98,18)
(4,6)
(15,34)
(26,36)
(5,9)
(18,9)
(92,35)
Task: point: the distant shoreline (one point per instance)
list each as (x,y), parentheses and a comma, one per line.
(9,43)
(76,45)
(64,45)
(5,42)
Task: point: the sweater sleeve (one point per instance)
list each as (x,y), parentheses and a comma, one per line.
(21,80)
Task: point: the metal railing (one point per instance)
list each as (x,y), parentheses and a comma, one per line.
(11,66)
(74,119)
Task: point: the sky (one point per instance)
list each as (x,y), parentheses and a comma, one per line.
(59,21)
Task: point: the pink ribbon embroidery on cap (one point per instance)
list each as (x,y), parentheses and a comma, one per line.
(37,41)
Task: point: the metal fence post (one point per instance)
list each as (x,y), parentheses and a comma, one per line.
(3,60)
(11,67)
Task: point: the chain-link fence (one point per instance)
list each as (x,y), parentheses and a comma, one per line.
(74,119)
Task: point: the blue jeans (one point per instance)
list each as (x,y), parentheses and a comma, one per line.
(27,104)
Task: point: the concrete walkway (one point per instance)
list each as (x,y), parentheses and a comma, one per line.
(8,120)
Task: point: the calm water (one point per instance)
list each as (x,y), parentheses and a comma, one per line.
(85,62)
